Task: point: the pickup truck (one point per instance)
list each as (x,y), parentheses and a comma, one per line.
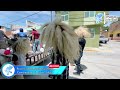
(103,39)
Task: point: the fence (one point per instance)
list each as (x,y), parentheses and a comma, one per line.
(37,58)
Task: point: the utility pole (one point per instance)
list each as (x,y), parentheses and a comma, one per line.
(51,16)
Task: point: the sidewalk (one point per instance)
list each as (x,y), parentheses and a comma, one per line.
(99,49)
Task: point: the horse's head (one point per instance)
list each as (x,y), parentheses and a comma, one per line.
(11,41)
(21,46)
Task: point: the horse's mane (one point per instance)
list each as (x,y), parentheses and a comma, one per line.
(61,37)
(3,45)
(21,46)
(82,32)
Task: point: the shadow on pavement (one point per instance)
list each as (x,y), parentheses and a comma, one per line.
(83,67)
(70,77)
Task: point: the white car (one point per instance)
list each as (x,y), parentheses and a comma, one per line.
(103,39)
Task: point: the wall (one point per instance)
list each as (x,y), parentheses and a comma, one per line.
(115,32)
(105,33)
(76,18)
(58,14)
(93,42)
(87,21)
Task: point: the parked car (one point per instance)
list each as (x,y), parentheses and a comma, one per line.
(103,39)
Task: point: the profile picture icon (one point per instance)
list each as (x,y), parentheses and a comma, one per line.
(8,70)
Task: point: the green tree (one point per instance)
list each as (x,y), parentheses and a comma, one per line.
(118,18)
(105,28)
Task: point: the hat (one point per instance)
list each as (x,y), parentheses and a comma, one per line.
(21,28)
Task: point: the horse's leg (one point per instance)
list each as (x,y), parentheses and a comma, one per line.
(58,62)
(67,77)
(66,71)
(53,61)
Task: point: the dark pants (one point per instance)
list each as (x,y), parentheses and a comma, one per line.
(77,62)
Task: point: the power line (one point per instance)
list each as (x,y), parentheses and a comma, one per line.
(22,18)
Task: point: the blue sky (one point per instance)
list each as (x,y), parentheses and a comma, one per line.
(42,17)
(117,13)
(6,17)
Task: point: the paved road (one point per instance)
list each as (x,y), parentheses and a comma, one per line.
(101,64)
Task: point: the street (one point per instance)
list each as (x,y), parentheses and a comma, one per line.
(102,63)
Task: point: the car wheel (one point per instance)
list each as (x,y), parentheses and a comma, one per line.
(105,42)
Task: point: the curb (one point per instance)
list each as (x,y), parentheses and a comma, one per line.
(97,50)
(91,49)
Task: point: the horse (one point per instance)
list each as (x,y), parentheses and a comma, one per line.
(64,41)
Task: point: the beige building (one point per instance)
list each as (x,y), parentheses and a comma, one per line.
(114,31)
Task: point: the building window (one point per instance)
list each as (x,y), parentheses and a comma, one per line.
(86,14)
(65,15)
(118,35)
(62,18)
(62,12)
(111,35)
(92,32)
(92,13)
(89,14)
